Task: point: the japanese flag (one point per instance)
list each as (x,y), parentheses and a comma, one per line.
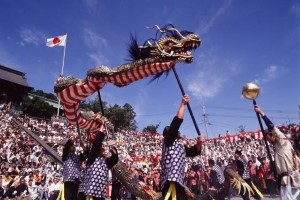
(57,41)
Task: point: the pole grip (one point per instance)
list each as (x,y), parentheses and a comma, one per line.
(188,105)
(77,125)
(102,111)
(273,168)
(100,102)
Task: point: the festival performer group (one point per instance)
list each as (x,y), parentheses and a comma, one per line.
(86,174)
(35,187)
(174,154)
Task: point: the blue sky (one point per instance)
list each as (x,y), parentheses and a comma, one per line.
(242,41)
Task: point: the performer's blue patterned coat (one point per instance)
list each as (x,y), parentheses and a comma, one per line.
(96,178)
(71,168)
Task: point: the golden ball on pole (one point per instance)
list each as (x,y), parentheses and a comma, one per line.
(250,91)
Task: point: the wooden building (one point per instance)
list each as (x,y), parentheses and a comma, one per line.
(13,86)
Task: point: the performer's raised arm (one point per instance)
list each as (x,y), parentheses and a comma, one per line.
(284,156)
(97,143)
(174,153)
(268,123)
(171,132)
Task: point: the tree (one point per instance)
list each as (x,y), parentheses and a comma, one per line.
(121,117)
(37,108)
(131,116)
(93,105)
(241,128)
(151,128)
(43,94)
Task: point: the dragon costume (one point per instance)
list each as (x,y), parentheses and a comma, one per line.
(232,179)
(153,58)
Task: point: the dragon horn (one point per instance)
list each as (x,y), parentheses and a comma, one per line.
(174,29)
(158,28)
(148,42)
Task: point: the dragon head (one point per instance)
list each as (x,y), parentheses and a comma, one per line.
(170,45)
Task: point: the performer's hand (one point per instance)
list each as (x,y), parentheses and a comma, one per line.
(114,151)
(83,165)
(92,136)
(200,141)
(114,158)
(185,99)
(259,110)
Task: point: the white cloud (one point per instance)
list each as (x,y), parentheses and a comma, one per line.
(268,74)
(92,39)
(295,9)
(97,44)
(205,84)
(98,58)
(211,77)
(91,4)
(214,18)
(31,36)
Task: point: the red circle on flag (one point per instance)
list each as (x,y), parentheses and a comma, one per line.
(56,40)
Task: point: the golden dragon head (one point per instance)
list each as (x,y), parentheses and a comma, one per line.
(170,44)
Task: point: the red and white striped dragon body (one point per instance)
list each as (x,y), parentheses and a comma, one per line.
(153,58)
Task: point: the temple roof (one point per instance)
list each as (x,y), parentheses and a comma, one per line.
(13,76)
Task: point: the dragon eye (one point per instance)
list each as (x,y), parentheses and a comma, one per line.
(169,43)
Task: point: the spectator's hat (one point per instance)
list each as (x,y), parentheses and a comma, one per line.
(238,152)
(211,162)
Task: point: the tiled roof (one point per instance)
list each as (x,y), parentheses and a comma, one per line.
(13,76)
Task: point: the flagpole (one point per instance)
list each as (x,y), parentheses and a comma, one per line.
(63,62)
(62,71)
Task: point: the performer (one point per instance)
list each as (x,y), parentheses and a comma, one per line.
(81,195)
(116,189)
(216,175)
(71,170)
(285,157)
(243,170)
(173,156)
(97,166)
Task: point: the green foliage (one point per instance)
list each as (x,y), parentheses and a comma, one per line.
(43,94)
(37,108)
(121,117)
(151,128)
(93,105)
(241,128)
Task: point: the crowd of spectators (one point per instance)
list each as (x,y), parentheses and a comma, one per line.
(28,172)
